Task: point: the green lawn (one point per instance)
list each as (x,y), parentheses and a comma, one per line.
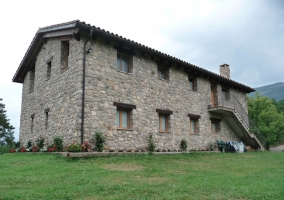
(181,176)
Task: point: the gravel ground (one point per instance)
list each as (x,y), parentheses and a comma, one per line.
(277,149)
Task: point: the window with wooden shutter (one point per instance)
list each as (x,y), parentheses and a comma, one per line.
(123,115)
(163,73)
(64,55)
(123,63)
(164,120)
(225,94)
(48,70)
(215,125)
(194,123)
(192,83)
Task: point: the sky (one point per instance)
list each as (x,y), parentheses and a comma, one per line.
(246,34)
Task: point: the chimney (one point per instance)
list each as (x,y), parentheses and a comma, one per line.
(225,71)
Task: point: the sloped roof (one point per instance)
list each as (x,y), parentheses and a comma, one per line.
(37,41)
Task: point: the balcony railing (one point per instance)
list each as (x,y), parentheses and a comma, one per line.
(231,102)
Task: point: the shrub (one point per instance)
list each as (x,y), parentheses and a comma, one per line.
(17,145)
(40,142)
(211,146)
(183,145)
(51,148)
(22,149)
(74,147)
(35,149)
(12,150)
(29,144)
(4,149)
(58,142)
(86,146)
(99,141)
(151,144)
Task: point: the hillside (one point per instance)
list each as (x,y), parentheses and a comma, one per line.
(275,91)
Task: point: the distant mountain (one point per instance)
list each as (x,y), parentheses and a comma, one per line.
(275,91)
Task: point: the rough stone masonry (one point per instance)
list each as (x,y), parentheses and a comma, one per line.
(53,107)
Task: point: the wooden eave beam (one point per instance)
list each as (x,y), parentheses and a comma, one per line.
(61,33)
(108,41)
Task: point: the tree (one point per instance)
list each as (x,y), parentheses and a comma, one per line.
(6,129)
(279,105)
(263,111)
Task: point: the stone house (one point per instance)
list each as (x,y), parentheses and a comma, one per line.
(78,79)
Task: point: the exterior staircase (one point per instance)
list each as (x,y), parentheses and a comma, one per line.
(237,118)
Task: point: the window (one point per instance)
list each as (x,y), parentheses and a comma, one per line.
(163,123)
(122,119)
(163,73)
(215,125)
(123,115)
(124,60)
(32,79)
(48,71)
(192,83)
(123,63)
(46,117)
(32,122)
(164,117)
(194,123)
(64,54)
(225,94)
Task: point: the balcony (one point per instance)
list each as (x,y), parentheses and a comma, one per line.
(236,116)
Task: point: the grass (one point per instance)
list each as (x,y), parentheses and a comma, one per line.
(180,176)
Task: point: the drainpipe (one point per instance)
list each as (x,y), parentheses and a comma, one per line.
(83,87)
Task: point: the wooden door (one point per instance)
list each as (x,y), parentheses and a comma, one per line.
(214,97)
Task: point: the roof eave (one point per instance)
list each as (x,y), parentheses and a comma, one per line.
(34,47)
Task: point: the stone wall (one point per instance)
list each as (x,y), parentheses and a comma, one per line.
(62,93)
(142,88)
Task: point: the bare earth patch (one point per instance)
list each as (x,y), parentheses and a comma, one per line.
(123,167)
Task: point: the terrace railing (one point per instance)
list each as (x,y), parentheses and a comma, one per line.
(232,102)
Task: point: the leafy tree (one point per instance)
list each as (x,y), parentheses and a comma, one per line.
(264,112)
(6,130)
(279,105)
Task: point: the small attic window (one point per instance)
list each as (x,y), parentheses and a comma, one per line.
(32,79)
(48,69)
(64,55)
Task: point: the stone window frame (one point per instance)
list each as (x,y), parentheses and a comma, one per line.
(48,68)
(46,111)
(192,83)
(65,53)
(161,114)
(120,107)
(194,119)
(215,125)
